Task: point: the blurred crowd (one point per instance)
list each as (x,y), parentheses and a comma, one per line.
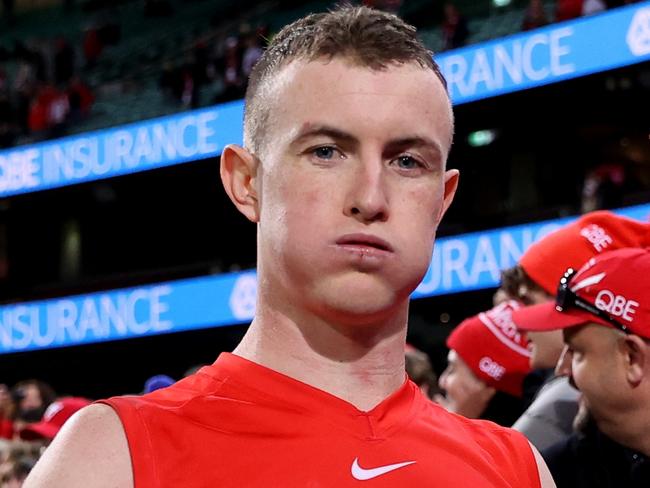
(32,414)
(42,87)
(214,61)
(41,91)
(456,33)
(562,355)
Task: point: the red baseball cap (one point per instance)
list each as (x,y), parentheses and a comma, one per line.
(490,344)
(54,417)
(571,246)
(615,284)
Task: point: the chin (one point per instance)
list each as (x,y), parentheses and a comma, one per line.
(359,300)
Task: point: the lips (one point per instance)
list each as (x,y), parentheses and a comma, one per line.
(366,241)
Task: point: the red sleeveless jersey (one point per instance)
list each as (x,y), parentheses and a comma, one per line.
(236,423)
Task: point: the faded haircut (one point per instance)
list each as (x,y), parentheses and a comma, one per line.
(364,36)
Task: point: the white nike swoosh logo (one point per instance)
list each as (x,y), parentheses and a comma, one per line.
(358,473)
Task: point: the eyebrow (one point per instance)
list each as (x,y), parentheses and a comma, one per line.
(345,137)
(324,130)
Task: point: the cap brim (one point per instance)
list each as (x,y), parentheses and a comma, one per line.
(545,316)
(40,430)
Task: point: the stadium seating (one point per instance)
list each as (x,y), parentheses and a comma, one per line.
(125,79)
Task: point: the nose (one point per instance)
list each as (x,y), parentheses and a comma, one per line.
(368,196)
(563,366)
(442,380)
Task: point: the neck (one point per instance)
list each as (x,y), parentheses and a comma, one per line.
(638,438)
(362,365)
(633,431)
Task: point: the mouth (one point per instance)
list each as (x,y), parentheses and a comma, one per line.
(362,242)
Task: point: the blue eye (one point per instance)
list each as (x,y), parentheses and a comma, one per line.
(324,152)
(407,162)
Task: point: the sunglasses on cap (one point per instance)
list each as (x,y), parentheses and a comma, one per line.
(566,298)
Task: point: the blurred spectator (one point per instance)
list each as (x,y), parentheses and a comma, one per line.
(55,416)
(7,410)
(8,121)
(57,116)
(419,369)
(590,7)
(189,91)
(252,52)
(80,99)
(157,382)
(92,46)
(603,187)
(454,28)
(14,472)
(535,16)
(608,359)
(567,9)
(32,398)
(488,361)
(233,79)
(534,281)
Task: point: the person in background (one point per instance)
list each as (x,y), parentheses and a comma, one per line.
(157,382)
(13,473)
(590,7)
(487,363)
(603,311)
(419,369)
(32,397)
(7,411)
(17,458)
(454,28)
(55,416)
(568,9)
(535,16)
(534,280)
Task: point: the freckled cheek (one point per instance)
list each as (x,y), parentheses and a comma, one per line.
(301,211)
(420,219)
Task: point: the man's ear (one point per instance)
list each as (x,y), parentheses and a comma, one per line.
(637,358)
(451,184)
(239,177)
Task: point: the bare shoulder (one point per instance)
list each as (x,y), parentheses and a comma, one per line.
(545,477)
(90,450)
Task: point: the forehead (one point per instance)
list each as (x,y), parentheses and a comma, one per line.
(455,360)
(399,100)
(588,334)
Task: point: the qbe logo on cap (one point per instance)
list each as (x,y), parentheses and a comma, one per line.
(638,35)
(243,297)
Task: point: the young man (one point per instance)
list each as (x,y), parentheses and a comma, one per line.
(347,131)
(604,313)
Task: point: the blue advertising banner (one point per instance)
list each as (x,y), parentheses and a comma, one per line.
(548,55)
(186,137)
(459,263)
